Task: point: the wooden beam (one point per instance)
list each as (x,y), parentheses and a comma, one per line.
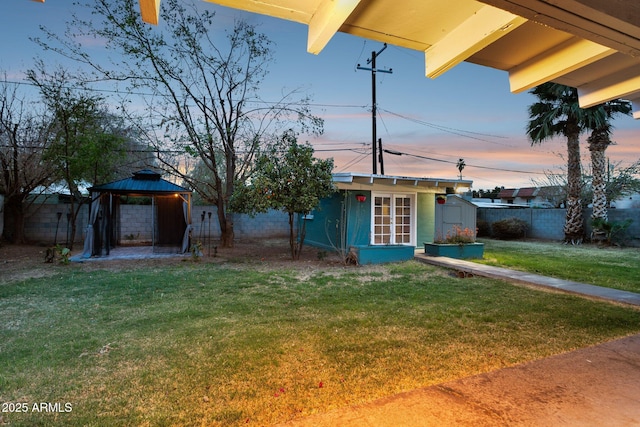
(150,11)
(478,31)
(569,56)
(593,20)
(327,20)
(276,9)
(623,84)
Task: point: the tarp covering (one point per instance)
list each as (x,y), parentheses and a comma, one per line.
(93,215)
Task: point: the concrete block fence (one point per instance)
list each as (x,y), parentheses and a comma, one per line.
(268,225)
(549,223)
(542,223)
(42,220)
(135,223)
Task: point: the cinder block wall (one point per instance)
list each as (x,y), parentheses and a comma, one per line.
(542,223)
(41,222)
(136,223)
(266,225)
(549,223)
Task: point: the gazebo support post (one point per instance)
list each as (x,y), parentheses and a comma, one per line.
(107,219)
(153,224)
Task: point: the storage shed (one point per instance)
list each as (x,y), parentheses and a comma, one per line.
(378,218)
(454,212)
(169,213)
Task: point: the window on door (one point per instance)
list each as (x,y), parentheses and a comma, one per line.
(393,219)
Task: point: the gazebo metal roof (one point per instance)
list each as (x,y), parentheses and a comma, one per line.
(144,181)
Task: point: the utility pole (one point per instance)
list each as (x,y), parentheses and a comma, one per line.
(380,150)
(374,137)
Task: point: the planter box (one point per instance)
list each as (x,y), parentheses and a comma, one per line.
(460,251)
(374,254)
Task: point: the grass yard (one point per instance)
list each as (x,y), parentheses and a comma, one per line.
(240,343)
(611,267)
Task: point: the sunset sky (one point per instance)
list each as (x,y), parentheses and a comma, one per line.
(467,113)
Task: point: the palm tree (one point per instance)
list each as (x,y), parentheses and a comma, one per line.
(599,140)
(557,113)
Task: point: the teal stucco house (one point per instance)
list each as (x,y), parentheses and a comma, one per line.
(378,218)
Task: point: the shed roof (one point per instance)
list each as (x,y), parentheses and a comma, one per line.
(348,179)
(144,182)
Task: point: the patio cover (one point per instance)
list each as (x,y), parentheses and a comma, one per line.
(592,45)
(143,183)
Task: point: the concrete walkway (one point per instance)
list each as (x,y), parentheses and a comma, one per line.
(467,267)
(133,252)
(595,386)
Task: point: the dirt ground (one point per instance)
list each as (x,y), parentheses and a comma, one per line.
(18,262)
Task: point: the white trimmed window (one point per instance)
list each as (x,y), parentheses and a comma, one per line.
(393,219)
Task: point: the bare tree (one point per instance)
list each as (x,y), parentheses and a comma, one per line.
(23,140)
(204,90)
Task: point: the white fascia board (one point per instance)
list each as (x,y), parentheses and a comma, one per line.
(478,31)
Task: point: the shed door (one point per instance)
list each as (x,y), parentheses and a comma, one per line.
(393,219)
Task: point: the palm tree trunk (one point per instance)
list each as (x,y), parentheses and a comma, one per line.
(574,222)
(598,142)
(599,165)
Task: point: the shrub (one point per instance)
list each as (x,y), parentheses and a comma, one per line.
(614,231)
(458,235)
(509,228)
(484,228)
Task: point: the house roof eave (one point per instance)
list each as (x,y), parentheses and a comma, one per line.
(348,180)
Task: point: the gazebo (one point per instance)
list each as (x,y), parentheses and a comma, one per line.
(170,212)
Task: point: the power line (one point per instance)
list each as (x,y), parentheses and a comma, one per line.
(399,153)
(459,132)
(254,101)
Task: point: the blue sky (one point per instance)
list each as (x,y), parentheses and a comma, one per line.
(466,113)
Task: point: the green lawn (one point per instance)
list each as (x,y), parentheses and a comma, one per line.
(231,344)
(610,267)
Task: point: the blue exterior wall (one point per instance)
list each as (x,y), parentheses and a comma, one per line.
(325,228)
(323,223)
(358,218)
